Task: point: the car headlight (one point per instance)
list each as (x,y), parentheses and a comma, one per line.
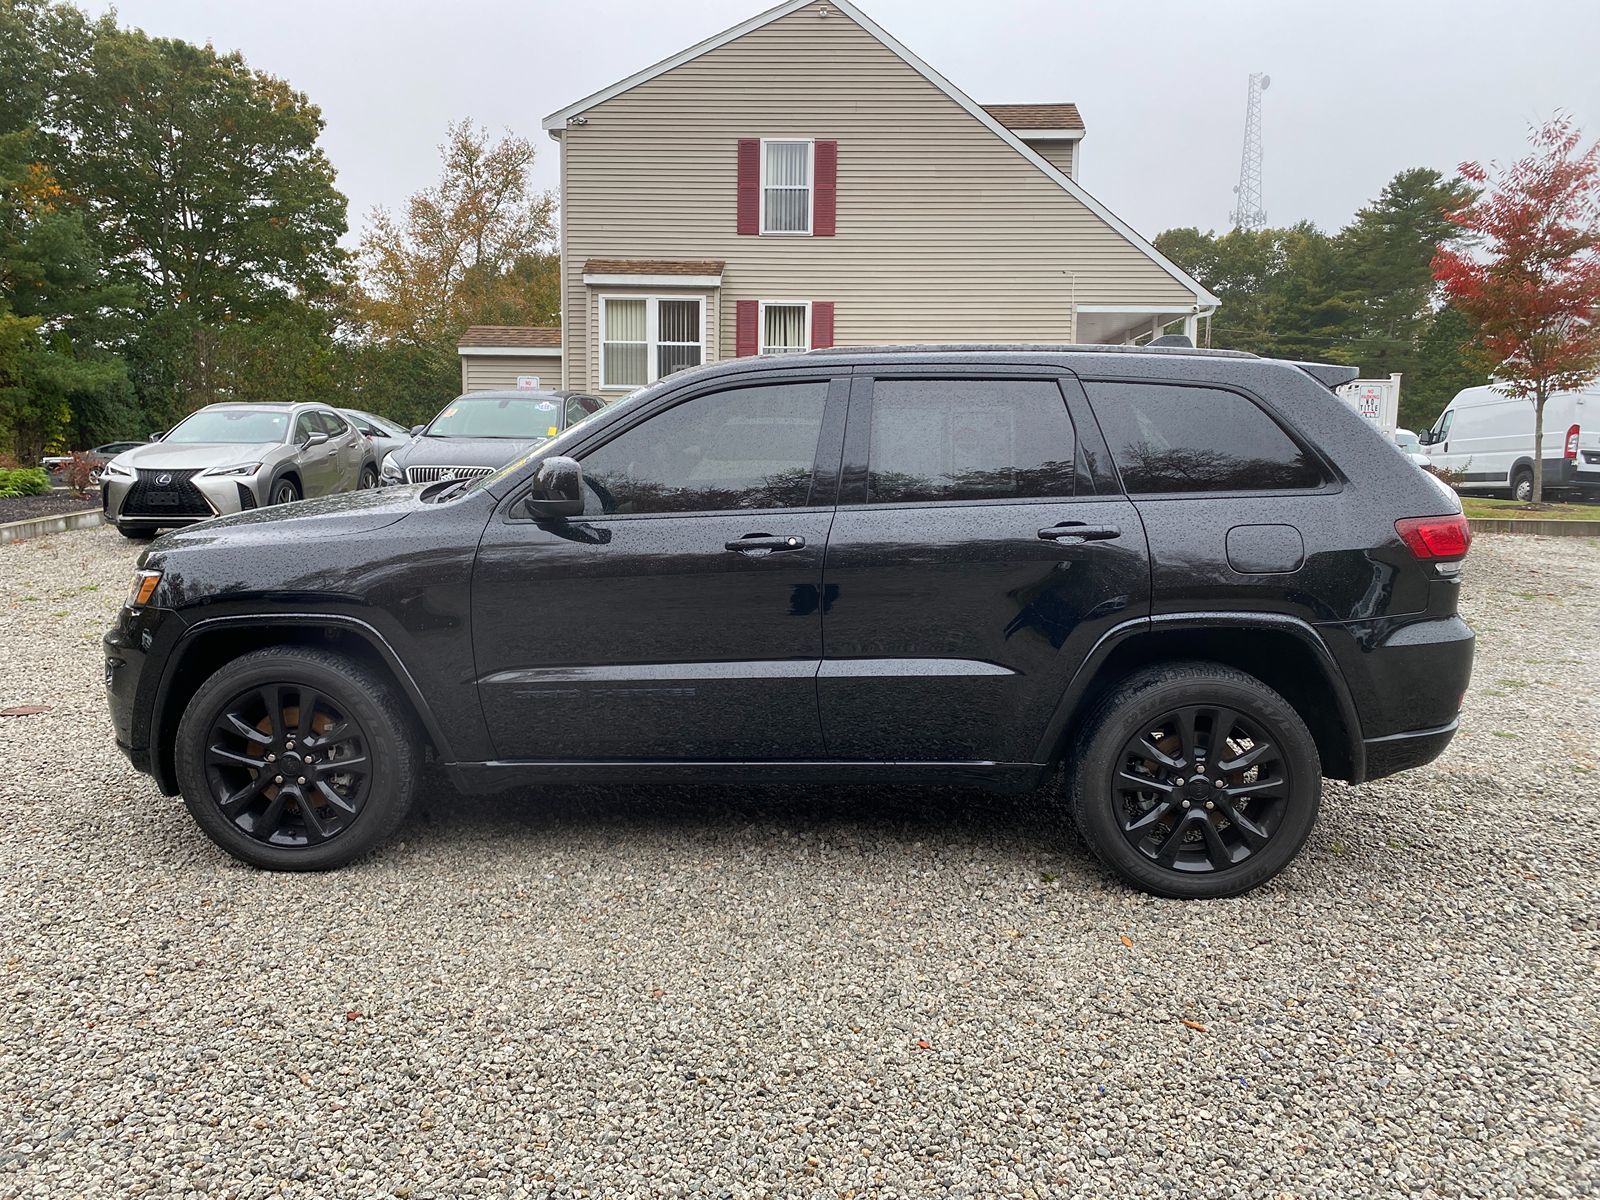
(144,587)
(241,469)
(392,471)
(117,470)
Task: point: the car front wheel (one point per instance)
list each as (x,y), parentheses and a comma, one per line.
(1195,781)
(285,491)
(297,759)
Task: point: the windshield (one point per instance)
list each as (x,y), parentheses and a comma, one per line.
(498,417)
(240,425)
(522,460)
(1406,441)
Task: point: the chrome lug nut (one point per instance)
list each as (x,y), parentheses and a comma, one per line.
(272,758)
(1179,781)
(277,779)
(1219,782)
(1209,804)
(302,779)
(1186,804)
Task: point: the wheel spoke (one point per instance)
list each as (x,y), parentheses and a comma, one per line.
(340,731)
(269,700)
(1261,752)
(1167,852)
(1262,787)
(316,829)
(1222,723)
(333,798)
(308,704)
(223,755)
(1150,750)
(1138,783)
(246,730)
(1254,835)
(236,802)
(271,818)
(1149,819)
(1216,849)
(356,764)
(1186,733)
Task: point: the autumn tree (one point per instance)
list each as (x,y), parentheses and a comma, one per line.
(1531,282)
(476,248)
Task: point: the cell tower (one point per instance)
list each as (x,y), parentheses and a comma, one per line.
(1249,213)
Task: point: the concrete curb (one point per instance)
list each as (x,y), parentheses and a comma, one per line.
(18,531)
(1534,527)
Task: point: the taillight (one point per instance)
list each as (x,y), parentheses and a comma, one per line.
(1572,442)
(1435,538)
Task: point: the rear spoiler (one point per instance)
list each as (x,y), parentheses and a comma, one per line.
(1329,375)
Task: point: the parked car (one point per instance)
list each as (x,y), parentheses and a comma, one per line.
(480,432)
(1409,445)
(1488,437)
(384,434)
(229,458)
(55,464)
(1188,578)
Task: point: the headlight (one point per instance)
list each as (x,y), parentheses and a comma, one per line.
(241,469)
(392,471)
(144,587)
(116,469)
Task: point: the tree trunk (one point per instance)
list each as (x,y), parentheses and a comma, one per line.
(1538,444)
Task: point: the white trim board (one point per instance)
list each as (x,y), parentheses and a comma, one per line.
(509,351)
(654,281)
(1049,135)
(558,119)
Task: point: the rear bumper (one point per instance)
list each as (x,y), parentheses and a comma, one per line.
(1402,751)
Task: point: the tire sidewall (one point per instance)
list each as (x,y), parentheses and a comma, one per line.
(388,749)
(286,486)
(1094,803)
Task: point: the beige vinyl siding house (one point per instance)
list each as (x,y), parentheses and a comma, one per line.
(494,357)
(948,227)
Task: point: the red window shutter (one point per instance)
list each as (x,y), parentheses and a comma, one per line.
(825,215)
(749,223)
(746,337)
(821,324)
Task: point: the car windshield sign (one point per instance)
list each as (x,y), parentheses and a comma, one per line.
(498,417)
(240,425)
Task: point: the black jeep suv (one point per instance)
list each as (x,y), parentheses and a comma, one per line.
(1196,582)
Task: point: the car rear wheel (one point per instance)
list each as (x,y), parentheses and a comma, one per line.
(285,491)
(1522,485)
(369,477)
(296,759)
(1195,781)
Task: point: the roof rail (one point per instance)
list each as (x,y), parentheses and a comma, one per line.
(1029,347)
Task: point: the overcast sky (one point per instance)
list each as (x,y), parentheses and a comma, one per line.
(1360,89)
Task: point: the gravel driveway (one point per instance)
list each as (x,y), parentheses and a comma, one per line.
(741,993)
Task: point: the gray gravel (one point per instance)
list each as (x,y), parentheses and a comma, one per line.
(737,993)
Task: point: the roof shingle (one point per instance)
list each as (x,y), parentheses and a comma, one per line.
(652,266)
(510,335)
(1036,116)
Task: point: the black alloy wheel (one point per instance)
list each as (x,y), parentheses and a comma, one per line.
(297,759)
(1194,780)
(1201,788)
(288,765)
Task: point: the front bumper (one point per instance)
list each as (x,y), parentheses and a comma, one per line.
(146,503)
(135,648)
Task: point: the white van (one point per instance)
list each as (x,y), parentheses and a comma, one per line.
(1488,437)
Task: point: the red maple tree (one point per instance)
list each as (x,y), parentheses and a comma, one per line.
(1530,277)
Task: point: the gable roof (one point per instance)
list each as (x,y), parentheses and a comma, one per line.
(510,335)
(1036,116)
(558,119)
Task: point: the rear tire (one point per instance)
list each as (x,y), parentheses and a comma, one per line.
(329,721)
(1522,485)
(369,478)
(1156,801)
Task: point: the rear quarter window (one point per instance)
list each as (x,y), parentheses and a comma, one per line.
(1175,438)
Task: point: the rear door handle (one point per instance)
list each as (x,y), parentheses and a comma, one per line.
(765,543)
(1078,531)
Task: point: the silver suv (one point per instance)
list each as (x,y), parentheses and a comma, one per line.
(229,458)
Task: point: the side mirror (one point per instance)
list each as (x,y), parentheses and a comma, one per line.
(315,438)
(557,489)
(416,430)
(1425,438)
(157,435)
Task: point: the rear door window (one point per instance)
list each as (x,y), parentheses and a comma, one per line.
(1174,438)
(969,439)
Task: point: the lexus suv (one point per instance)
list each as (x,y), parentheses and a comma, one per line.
(230,458)
(1178,587)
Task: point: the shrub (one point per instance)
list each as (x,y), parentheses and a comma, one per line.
(79,472)
(23,481)
(1452,478)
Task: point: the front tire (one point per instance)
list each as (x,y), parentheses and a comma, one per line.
(296,759)
(1195,781)
(285,491)
(136,534)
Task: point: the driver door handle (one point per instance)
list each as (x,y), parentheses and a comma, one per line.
(765,543)
(1078,531)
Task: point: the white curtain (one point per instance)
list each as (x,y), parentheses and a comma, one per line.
(788,187)
(783,329)
(626,349)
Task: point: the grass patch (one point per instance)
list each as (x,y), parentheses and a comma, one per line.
(1501,733)
(1512,510)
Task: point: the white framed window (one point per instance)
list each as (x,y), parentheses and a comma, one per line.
(787,194)
(646,338)
(785,326)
